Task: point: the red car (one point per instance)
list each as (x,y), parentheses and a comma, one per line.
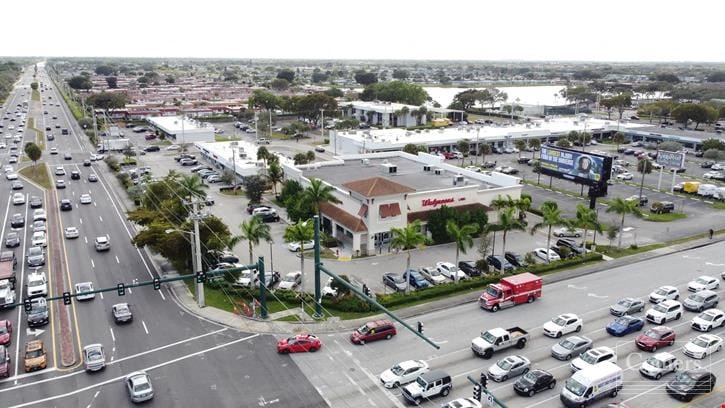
(6,332)
(150,136)
(299,344)
(371,331)
(656,337)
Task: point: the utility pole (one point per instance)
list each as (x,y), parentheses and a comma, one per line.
(322,124)
(95,126)
(196,216)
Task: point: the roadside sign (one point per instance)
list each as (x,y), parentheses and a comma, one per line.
(671,159)
(489,400)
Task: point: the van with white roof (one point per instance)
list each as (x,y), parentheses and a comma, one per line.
(707,190)
(592,383)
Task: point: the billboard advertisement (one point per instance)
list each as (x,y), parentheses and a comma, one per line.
(671,159)
(580,167)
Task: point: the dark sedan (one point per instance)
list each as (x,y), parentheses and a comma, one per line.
(469,267)
(624,325)
(36,202)
(498,262)
(12,240)
(394,281)
(534,381)
(17,221)
(691,383)
(515,259)
(66,205)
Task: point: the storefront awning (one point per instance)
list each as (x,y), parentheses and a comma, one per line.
(425,215)
(343,217)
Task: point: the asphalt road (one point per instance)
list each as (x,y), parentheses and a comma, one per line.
(355,382)
(192,362)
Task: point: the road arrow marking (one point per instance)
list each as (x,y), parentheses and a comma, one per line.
(594,295)
(576,287)
(36,332)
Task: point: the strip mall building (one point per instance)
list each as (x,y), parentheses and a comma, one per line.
(381,191)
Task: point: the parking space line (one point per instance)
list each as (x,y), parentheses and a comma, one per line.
(144,327)
(93,264)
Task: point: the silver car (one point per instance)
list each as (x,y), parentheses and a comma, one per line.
(704,299)
(139,386)
(627,306)
(509,367)
(432,275)
(94,356)
(571,347)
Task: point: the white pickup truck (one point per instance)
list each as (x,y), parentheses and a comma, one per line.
(498,339)
(7,293)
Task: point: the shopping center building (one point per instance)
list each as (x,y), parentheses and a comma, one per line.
(381,191)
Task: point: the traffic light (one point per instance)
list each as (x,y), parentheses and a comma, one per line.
(121,289)
(420,327)
(157,283)
(477,392)
(201,277)
(66,298)
(484,380)
(26,304)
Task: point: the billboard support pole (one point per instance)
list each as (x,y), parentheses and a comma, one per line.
(659,183)
(674,174)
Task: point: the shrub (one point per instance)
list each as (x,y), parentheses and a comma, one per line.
(633,246)
(112,163)
(482,265)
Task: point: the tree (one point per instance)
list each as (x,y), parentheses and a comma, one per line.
(33,152)
(263,99)
(623,207)
(112,82)
(621,102)
(263,154)
(670,146)
(105,70)
(275,175)
(34,86)
(191,186)
(696,112)
(317,193)
(463,146)
(666,77)
(463,238)
(227,177)
(484,149)
(520,145)
(717,76)
(507,221)
(254,230)
(411,148)
(80,82)
(563,143)
(608,104)
(334,92)
(170,79)
(108,100)
(407,238)
(713,144)
(467,99)
(395,91)
(618,138)
(644,166)
(319,76)
(535,145)
(550,217)
(573,137)
(279,84)
(366,78)
(300,158)
(254,187)
(286,74)
(400,74)
(300,232)
(587,219)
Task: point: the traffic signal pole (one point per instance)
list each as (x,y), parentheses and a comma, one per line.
(479,389)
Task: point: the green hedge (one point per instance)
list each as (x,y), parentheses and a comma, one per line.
(437,291)
(564,263)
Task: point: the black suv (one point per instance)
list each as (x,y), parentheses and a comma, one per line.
(66,205)
(498,262)
(688,384)
(469,268)
(662,207)
(75,175)
(152,149)
(571,244)
(515,259)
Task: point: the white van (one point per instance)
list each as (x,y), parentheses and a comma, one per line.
(592,383)
(707,190)
(720,194)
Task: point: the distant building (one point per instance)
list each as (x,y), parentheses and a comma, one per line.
(390,114)
(181,129)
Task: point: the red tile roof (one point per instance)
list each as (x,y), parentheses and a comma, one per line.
(343,217)
(377,187)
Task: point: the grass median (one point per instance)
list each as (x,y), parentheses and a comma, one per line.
(37,173)
(667,217)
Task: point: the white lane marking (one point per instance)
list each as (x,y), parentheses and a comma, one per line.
(100,218)
(150,368)
(144,327)
(113,337)
(129,291)
(80,220)
(85,239)
(117,261)
(101,293)
(93,264)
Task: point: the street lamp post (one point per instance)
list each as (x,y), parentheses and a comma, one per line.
(478,131)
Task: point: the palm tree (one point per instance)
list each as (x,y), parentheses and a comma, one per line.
(463,237)
(484,149)
(535,144)
(623,207)
(587,219)
(407,238)
(263,154)
(644,166)
(508,222)
(618,138)
(464,146)
(318,193)
(227,242)
(521,145)
(300,232)
(550,217)
(253,231)
(275,175)
(523,204)
(191,186)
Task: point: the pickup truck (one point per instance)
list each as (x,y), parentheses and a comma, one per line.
(7,294)
(499,339)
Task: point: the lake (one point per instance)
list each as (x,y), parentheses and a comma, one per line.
(528,95)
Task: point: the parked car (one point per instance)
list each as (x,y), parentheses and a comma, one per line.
(469,268)
(291,281)
(567,232)
(499,263)
(450,271)
(662,207)
(394,281)
(516,260)
(417,280)
(297,246)
(433,275)
(546,255)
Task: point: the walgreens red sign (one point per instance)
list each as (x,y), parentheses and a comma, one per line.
(434,202)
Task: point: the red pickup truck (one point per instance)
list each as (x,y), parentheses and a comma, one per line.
(511,291)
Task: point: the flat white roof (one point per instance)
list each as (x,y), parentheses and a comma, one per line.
(381,106)
(177,124)
(540,128)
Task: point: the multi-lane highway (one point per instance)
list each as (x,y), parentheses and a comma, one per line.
(191,361)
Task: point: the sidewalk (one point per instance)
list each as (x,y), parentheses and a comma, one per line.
(186,300)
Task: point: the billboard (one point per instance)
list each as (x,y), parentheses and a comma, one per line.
(580,167)
(671,159)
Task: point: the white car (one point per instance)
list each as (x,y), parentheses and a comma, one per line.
(37,284)
(450,271)
(39,215)
(173,147)
(713,175)
(11,176)
(659,365)
(71,232)
(718,166)
(83,289)
(39,239)
(625,176)
(703,282)
(563,324)
(297,246)
(664,293)
(53,150)
(291,281)
(94,357)
(138,385)
(473,168)
(59,171)
(18,198)
(664,311)
(433,275)
(328,290)
(593,356)
(567,232)
(542,253)
(708,320)
(8,169)
(403,373)
(703,346)
(86,199)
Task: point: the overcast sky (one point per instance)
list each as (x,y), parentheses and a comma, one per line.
(613,30)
